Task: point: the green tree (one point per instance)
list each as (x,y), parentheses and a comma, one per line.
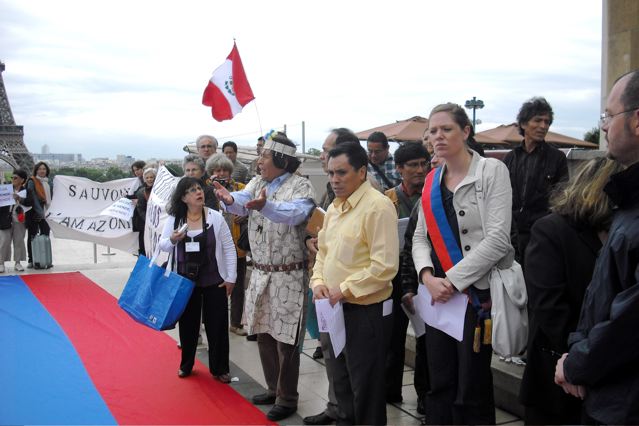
(114,173)
(313,151)
(592,135)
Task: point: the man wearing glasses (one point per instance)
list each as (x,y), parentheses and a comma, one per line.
(380,162)
(206,146)
(535,168)
(413,164)
(601,364)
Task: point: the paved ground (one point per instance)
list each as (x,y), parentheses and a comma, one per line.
(110,269)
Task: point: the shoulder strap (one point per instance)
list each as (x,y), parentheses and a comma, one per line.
(381,174)
(479,193)
(403,198)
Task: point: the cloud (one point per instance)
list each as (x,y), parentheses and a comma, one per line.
(129,76)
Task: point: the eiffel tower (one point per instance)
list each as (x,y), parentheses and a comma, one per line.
(12,148)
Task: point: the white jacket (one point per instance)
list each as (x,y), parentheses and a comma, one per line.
(481,252)
(225,253)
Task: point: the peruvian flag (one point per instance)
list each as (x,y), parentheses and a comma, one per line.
(228,89)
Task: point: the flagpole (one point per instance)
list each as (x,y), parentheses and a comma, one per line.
(259,120)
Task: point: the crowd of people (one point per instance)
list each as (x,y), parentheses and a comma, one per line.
(577,239)
(32,196)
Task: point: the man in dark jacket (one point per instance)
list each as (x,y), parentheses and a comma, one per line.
(602,365)
(535,168)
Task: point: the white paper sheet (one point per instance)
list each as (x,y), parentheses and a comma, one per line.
(330,319)
(387,307)
(324,312)
(447,317)
(122,209)
(419,327)
(6,195)
(337,329)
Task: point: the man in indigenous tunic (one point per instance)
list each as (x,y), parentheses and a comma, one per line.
(278,204)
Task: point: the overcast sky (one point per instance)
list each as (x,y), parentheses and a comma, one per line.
(126,77)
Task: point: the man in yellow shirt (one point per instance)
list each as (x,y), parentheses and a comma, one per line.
(357,259)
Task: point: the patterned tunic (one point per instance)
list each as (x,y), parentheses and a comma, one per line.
(276,301)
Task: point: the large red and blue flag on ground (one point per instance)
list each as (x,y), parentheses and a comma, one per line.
(70,355)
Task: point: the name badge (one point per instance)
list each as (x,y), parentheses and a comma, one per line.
(193,246)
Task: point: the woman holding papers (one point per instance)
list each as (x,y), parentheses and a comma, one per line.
(12,226)
(204,253)
(453,255)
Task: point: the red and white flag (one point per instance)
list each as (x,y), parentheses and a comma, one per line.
(228,89)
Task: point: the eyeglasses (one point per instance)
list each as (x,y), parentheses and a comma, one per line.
(15,177)
(205,146)
(416,164)
(194,190)
(605,117)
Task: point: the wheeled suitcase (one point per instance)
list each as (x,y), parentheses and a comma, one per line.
(41,249)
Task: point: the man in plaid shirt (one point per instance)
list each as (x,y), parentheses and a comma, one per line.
(380,162)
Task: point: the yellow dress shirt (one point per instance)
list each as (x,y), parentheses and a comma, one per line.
(359,247)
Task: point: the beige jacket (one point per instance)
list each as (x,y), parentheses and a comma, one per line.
(481,250)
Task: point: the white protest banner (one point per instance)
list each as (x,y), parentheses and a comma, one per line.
(6,195)
(82,197)
(156,211)
(122,209)
(76,212)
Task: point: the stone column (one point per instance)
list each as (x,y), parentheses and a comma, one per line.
(620,45)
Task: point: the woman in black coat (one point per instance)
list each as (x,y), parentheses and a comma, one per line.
(560,260)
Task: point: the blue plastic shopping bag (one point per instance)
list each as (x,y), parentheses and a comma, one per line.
(155,297)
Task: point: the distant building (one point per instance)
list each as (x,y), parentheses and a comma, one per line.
(45,149)
(124,160)
(56,159)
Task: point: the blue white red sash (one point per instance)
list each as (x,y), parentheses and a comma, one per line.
(439,230)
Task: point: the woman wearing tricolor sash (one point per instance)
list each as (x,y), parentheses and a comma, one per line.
(454,253)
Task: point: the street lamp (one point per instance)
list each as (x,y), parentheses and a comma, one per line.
(474,104)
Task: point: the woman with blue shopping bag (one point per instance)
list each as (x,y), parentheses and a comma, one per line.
(205,254)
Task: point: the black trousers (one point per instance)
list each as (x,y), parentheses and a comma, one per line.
(421,380)
(358,371)
(237,296)
(397,350)
(461,382)
(141,249)
(208,305)
(35,227)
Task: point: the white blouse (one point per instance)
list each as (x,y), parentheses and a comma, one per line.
(225,253)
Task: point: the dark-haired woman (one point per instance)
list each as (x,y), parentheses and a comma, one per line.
(560,261)
(137,170)
(204,253)
(12,227)
(39,192)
